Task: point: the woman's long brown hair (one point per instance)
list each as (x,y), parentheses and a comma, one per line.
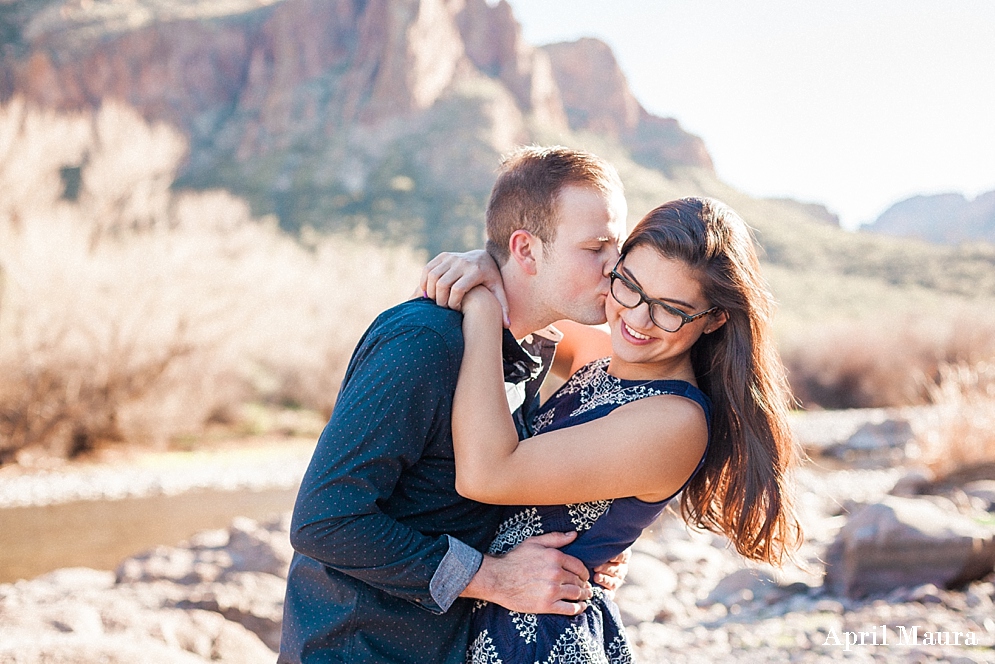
(742,489)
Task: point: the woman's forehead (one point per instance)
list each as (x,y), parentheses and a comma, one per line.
(660,276)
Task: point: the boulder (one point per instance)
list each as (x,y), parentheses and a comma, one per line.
(884,441)
(246,546)
(908,542)
(216,598)
(982,490)
(648,591)
(749,585)
(251,599)
(79,624)
(915,482)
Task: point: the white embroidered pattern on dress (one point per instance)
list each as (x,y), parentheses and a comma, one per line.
(515,530)
(597,387)
(526,624)
(618,651)
(583,515)
(543,420)
(482,650)
(576,646)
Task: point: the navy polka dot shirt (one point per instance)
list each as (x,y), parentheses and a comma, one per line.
(384,544)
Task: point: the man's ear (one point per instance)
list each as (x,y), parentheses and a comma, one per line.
(526,250)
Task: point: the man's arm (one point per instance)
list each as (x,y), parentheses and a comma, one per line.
(383,418)
(385,413)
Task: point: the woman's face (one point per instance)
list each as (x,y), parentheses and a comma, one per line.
(635,338)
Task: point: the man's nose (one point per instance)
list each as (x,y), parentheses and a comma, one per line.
(612,256)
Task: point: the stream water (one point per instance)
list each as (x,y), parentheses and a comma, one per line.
(102,533)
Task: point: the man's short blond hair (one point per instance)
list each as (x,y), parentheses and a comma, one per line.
(526,193)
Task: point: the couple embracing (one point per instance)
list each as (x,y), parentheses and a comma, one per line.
(447,516)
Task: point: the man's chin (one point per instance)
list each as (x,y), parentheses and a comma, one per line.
(590,318)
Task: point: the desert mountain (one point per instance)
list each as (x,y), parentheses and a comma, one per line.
(942,218)
(385,113)
(391,115)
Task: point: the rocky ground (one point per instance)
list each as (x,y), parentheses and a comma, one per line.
(689,598)
(719,609)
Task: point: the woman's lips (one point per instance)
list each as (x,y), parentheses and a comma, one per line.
(633,336)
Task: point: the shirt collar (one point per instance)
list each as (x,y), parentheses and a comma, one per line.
(519,365)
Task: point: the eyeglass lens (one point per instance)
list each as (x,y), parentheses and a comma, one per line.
(630,299)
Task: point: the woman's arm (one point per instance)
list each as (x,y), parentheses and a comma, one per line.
(647,448)
(449,276)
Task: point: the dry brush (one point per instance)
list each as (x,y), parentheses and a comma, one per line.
(128,310)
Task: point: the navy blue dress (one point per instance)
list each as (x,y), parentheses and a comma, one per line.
(606,527)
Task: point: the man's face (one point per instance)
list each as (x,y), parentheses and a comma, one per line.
(572,278)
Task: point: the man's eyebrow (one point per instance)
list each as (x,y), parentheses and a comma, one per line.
(629,275)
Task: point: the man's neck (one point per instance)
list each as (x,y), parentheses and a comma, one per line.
(524,311)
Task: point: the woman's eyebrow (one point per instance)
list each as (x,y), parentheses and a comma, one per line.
(662,299)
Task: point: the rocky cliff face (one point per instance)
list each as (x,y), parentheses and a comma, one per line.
(942,218)
(388,113)
(597,98)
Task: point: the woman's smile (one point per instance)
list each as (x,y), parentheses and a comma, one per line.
(632,336)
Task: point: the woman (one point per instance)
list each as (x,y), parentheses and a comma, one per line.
(693,399)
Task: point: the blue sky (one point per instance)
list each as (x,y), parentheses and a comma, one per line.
(852,103)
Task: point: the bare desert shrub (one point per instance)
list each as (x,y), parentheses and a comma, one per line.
(130,311)
(958,433)
(869,364)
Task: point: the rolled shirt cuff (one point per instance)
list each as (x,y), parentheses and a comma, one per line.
(454,573)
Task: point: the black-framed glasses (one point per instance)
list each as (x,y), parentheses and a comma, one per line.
(664,316)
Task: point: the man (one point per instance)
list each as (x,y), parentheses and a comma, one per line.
(388,555)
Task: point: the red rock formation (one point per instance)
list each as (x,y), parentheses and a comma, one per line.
(597,98)
(304,67)
(494,44)
(334,98)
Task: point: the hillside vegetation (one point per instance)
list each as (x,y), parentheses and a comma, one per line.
(203,204)
(131,312)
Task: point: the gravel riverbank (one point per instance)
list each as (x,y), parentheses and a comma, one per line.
(689,598)
(247,465)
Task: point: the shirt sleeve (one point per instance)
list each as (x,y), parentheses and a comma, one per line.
(397,394)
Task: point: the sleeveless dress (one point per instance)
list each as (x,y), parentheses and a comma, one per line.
(606,527)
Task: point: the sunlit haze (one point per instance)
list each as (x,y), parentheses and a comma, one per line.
(850,103)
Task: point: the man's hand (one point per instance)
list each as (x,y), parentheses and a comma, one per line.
(534,577)
(611,575)
(449,276)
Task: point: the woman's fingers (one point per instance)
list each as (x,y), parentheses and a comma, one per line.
(568,608)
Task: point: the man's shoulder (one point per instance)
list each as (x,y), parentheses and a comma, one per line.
(420,315)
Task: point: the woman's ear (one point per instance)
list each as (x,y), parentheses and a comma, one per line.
(718,319)
(526,250)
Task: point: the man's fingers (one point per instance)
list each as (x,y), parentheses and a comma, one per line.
(574,566)
(574,592)
(568,608)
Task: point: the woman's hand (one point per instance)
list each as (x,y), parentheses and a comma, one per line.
(449,276)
